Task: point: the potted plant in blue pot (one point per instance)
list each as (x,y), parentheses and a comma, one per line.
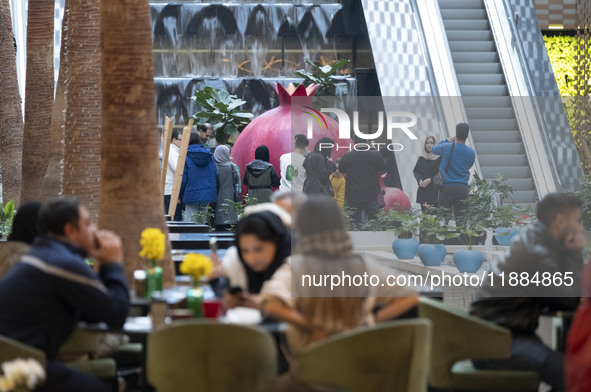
(405,246)
(433,231)
(504,219)
(469,260)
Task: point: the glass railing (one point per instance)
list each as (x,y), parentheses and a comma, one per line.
(521,86)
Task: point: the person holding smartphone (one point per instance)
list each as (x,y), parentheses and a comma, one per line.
(543,272)
(51,289)
(263,245)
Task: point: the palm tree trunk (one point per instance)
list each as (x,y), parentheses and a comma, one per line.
(38,97)
(131,199)
(82,164)
(11,123)
(53,181)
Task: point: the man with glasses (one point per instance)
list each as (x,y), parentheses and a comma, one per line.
(173,157)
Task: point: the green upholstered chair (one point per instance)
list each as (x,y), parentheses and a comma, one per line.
(200,355)
(458,338)
(389,357)
(77,352)
(11,349)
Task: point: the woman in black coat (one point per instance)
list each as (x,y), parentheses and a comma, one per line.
(319,166)
(426,168)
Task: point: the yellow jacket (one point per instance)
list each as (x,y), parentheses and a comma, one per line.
(338,185)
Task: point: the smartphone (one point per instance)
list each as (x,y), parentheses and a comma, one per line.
(235,290)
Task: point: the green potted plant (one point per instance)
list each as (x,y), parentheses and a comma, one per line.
(405,246)
(433,230)
(469,260)
(484,195)
(222,111)
(505,219)
(324,76)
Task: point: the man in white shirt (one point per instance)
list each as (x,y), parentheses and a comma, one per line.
(173,157)
(292,172)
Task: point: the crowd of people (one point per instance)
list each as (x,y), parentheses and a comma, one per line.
(352,180)
(48,287)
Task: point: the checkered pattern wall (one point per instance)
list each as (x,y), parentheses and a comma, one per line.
(396,47)
(562,12)
(402,72)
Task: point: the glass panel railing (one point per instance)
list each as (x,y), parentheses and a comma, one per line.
(525,102)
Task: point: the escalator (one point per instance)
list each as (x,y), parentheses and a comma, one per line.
(488,105)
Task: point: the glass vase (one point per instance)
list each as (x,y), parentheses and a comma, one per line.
(195,299)
(153,280)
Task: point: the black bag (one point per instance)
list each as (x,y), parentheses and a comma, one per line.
(328,189)
(439,177)
(313,185)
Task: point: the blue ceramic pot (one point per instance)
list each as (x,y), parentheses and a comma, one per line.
(432,254)
(468,260)
(405,248)
(505,235)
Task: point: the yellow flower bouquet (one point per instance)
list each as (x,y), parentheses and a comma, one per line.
(196,265)
(153,243)
(199,267)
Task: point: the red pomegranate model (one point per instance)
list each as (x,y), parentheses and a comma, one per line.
(394,198)
(277,128)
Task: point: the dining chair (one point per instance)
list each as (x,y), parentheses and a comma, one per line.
(392,356)
(459,338)
(77,353)
(202,355)
(10,350)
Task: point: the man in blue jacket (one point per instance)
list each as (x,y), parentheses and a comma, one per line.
(199,188)
(454,192)
(51,289)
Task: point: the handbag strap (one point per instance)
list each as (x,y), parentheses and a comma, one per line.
(449,159)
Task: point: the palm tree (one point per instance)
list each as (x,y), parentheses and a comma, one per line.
(38,97)
(53,181)
(131,198)
(11,123)
(82,163)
